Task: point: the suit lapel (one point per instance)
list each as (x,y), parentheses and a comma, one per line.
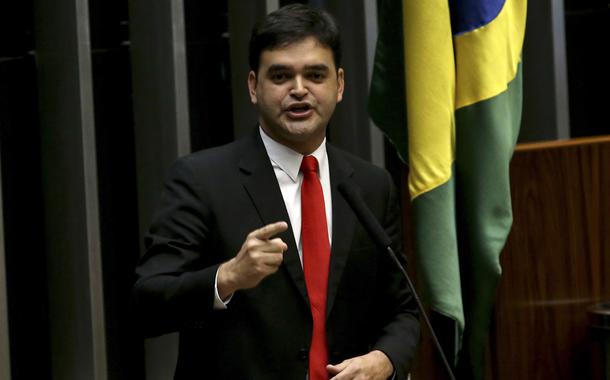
(343,223)
(260,182)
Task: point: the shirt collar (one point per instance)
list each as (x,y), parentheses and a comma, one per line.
(287,159)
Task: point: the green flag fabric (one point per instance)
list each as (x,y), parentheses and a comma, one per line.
(446,90)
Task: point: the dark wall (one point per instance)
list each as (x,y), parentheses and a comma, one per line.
(587,41)
(118,213)
(22,194)
(43,183)
(209,73)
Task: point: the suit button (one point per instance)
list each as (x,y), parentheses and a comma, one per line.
(303,354)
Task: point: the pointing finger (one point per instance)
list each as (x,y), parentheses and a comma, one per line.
(269,230)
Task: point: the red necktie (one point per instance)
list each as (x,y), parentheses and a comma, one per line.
(316,257)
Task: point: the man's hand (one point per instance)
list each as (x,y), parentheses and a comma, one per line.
(373,366)
(259,256)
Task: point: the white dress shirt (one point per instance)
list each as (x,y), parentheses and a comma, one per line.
(286,165)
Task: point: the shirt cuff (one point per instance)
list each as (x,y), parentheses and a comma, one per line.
(219,304)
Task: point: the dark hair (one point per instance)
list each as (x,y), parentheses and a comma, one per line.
(294,23)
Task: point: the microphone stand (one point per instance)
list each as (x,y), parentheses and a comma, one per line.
(381,239)
(420,306)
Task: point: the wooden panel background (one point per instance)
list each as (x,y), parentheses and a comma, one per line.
(556,264)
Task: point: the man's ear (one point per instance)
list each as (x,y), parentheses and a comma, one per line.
(340,84)
(252,86)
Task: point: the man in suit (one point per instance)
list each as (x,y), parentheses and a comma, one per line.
(255,257)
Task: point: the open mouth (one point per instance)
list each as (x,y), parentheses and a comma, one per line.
(299,110)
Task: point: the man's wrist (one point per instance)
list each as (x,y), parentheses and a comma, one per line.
(225,283)
(219,303)
(388,367)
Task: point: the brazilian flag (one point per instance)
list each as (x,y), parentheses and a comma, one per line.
(447,91)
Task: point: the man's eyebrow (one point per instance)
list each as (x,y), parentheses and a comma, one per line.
(317,67)
(277,67)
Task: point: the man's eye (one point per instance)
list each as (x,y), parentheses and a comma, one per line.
(316,76)
(278,77)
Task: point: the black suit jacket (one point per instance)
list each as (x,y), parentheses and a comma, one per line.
(211,201)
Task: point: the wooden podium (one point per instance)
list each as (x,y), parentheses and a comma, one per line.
(556,265)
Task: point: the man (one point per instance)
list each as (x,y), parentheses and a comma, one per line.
(255,257)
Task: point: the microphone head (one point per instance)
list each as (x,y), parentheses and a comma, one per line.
(365,216)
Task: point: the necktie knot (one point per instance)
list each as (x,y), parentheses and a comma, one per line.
(309,164)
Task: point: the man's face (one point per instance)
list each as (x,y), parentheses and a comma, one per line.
(296,90)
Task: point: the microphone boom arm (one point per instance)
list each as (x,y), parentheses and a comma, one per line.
(381,239)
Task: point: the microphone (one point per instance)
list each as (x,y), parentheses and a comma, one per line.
(383,242)
(364,214)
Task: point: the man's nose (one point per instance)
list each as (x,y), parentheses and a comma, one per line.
(299,89)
